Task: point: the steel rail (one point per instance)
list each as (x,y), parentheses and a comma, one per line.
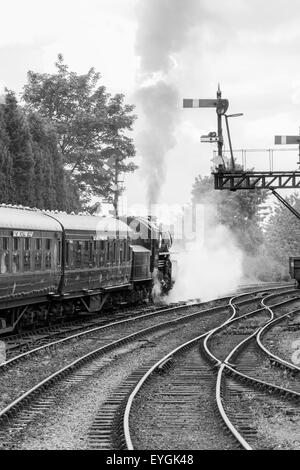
(91,355)
(271,355)
(225,367)
(233,319)
(162,362)
(168,357)
(16,404)
(143,380)
(99,328)
(26,354)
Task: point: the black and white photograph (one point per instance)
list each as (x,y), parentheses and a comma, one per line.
(149,228)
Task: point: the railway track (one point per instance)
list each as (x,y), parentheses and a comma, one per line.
(39,398)
(231,386)
(249,393)
(17,414)
(29,341)
(248,402)
(26,340)
(182,407)
(275,358)
(31,338)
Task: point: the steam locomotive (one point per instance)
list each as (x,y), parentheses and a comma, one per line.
(53,265)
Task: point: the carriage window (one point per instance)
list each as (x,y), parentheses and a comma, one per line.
(16,243)
(67,257)
(26,255)
(48,260)
(121,251)
(38,255)
(128,252)
(15,262)
(26,261)
(101,248)
(38,260)
(4,261)
(77,254)
(5,243)
(88,253)
(59,253)
(114,251)
(16,256)
(95,247)
(48,253)
(107,251)
(85,246)
(125,250)
(91,251)
(4,266)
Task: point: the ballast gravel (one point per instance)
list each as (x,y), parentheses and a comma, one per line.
(25,374)
(283,339)
(65,425)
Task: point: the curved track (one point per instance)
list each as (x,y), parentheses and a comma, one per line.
(239,378)
(38,398)
(232,380)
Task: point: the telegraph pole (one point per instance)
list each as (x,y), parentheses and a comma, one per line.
(219,114)
(116,191)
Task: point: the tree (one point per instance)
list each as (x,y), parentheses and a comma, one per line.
(51,188)
(90,125)
(31,169)
(117,146)
(20,150)
(6,171)
(282,234)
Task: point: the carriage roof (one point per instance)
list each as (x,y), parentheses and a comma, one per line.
(17,218)
(102,226)
(25,219)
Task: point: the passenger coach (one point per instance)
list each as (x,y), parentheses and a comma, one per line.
(55,264)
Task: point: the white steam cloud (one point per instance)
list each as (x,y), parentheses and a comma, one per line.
(208,270)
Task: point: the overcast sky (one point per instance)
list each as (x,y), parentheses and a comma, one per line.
(250,47)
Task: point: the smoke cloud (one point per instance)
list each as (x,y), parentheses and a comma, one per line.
(164,26)
(208,270)
(159,103)
(163,30)
(214,267)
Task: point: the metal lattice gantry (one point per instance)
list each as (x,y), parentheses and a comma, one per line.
(229,175)
(237,180)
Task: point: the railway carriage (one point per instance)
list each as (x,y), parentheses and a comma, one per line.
(54,264)
(97,259)
(30,262)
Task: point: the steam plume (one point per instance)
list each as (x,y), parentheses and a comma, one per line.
(159,103)
(209,270)
(163,30)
